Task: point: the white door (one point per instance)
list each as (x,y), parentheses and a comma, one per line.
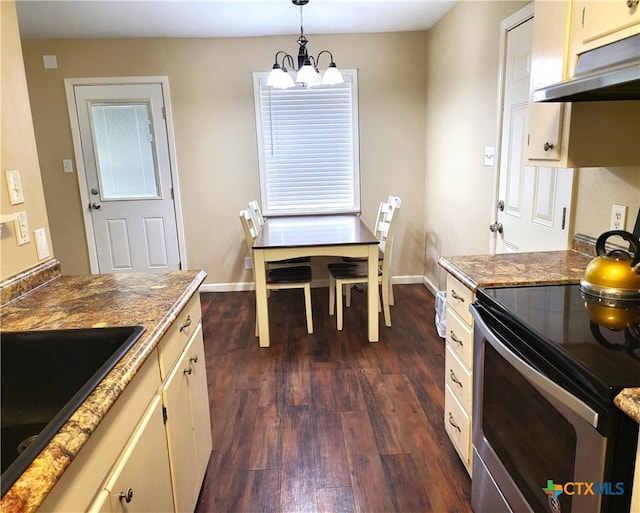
(125,153)
(534,203)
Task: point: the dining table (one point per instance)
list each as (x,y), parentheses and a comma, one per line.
(339,235)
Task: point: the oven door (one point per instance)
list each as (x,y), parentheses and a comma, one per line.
(532,439)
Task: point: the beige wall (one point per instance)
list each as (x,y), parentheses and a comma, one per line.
(462,93)
(18,151)
(212,101)
(597,189)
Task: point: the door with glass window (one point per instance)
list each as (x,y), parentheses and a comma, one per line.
(128,174)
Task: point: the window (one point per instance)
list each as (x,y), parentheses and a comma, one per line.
(308,147)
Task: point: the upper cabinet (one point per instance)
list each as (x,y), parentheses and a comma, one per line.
(594,24)
(579,134)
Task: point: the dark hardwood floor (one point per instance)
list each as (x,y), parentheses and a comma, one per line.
(328,422)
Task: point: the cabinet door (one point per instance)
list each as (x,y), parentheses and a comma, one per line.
(550,42)
(200,409)
(600,23)
(140,481)
(178,392)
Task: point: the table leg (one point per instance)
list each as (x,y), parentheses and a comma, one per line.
(372,289)
(262,308)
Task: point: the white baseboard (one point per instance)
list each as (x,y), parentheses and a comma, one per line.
(240,286)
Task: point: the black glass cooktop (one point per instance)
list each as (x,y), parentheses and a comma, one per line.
(598,343)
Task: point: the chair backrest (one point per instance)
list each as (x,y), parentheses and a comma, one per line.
(256,214)
(249,229)
(386,223)
(395,201)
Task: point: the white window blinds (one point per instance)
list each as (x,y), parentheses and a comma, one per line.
(308,147)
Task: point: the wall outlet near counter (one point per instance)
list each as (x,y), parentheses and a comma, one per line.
(618,217)
(41,243)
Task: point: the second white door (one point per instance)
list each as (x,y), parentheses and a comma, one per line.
(534,202)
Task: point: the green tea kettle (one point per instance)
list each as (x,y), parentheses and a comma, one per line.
(614,275)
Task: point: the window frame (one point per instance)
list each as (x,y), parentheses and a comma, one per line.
(259,85)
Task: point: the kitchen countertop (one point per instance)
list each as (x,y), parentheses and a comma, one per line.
(506,269)
(150,300)
(545,267)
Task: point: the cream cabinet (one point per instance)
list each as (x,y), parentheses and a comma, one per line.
(458,393)
(597,23)
(150,452)
(582,134)
(186,402)
(132,486)
(82,486)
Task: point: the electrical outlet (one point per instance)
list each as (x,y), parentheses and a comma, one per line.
(247,263)
(22,228)
(618,217)
(42,248)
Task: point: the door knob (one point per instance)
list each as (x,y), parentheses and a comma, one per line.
(496,227)
(95,205)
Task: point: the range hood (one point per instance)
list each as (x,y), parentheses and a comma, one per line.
(611,72)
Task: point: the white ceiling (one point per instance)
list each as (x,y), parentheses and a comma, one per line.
(81,19)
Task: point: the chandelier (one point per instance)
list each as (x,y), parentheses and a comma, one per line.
(306,66)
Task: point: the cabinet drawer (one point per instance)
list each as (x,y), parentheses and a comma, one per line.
(459,379)
(459,298)
(458,426)
(175,340)
(460,338)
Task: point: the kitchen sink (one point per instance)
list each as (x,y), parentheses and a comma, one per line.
(44,377)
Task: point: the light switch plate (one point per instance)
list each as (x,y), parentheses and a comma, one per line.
(22,228)
(14,184)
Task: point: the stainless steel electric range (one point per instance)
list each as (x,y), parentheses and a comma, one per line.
(546,434)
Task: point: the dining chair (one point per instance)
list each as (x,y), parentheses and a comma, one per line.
(256,214)
(381,217)
(294,277)
(350,273)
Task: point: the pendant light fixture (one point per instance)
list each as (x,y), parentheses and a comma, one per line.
(306,66)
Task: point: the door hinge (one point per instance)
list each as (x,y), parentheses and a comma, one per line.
(164,414)
(564,217)
(172,196)
(164,113)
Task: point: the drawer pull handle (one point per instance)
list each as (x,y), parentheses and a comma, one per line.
(453,423)
(194,359)
(188,371)
(456,339)
(456,296)
(455,379)
(127,496)
(632,3)
(548,146)
(186,324)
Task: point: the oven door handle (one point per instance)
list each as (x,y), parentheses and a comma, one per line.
(536,378)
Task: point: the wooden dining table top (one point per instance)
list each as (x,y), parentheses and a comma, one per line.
(313,230)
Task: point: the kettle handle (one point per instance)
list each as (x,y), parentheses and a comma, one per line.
(629,237)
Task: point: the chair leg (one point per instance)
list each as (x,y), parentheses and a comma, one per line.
(385,302)
(307,302)
(332,294)
(257,333)
(339,304)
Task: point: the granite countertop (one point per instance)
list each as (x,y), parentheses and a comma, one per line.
(546,267)
(153,301)
(505,269)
